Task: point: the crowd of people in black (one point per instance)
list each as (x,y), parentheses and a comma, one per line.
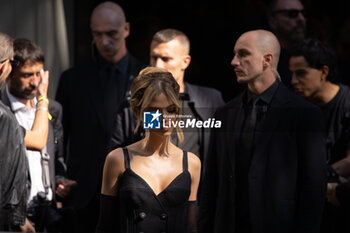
(274,159)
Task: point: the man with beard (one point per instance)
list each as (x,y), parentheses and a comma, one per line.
(92,94)
(19,95)
(286,19)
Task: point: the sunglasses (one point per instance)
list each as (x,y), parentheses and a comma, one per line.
(13,63)
(292,13)
(3,61)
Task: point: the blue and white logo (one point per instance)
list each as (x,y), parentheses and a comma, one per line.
(151,120)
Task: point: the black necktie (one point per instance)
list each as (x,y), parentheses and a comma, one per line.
(247,135)
(243,161)
(112,93)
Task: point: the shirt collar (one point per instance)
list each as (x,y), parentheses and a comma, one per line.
(266,96)
(16,105)
(121,65)
(184,96)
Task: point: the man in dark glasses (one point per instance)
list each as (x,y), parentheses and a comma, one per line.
(286,19)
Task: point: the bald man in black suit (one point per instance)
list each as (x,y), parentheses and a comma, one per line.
(265,171)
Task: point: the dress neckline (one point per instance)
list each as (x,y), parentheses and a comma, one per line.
(128,168)
(150,188)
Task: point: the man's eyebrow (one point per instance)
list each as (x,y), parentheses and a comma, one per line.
(109,31)
(244,50)
(28,72)
(241,50)
(301,69)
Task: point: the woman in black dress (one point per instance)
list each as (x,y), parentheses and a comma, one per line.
(151,186)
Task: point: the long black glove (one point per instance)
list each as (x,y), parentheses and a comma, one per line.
(191,217)
(108,214)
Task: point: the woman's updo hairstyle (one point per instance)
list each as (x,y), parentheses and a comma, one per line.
(151,82)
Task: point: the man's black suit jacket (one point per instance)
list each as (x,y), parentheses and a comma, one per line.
(87,131)
(13,163)
(287,177)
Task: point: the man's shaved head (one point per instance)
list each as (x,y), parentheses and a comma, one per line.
(109,30)
(108,8)
(266,42)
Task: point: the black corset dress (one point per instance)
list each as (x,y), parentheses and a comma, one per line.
(141,210)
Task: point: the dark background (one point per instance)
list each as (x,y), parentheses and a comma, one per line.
(212,27)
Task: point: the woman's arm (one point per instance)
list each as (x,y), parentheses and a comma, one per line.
(194,167)
(113,168)
(36,137)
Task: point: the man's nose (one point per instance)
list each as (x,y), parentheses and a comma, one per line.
(301,18)
(294,79)
(35,80)
(235,61)
(104,39)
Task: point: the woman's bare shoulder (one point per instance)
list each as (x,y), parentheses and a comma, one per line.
(194,168)
(116,157)
(193,161)
(113,169)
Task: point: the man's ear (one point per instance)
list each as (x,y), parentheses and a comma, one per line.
(268,59)
(126,29)
(325,72)
(186,62)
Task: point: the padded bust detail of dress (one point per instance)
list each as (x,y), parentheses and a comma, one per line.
(141,210)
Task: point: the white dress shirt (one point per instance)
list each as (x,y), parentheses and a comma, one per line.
(25,118)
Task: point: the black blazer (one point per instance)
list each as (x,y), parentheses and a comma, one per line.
(13,171)
(86,127)
(287,177)
(204,101)
(54,143)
